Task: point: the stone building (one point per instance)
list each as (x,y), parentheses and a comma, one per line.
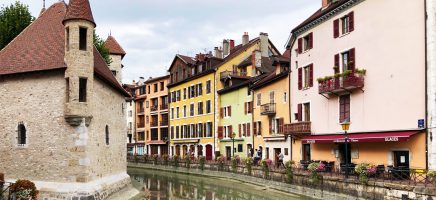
(63,111)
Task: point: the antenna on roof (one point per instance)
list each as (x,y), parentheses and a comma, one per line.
(110,32)
(43,4)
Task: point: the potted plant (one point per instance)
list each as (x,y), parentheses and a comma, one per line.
(289,165)
(361,72)
(165,159)
(335,68)
(24,189)
(220,160)
(202,161)
(235,161)
(266,163)
(365,170)
(320,79)
(176,161)
(249,164)
(314,168)
(431,175)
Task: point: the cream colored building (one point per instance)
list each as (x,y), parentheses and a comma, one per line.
(64,126)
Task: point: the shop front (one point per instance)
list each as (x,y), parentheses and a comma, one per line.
(399,149)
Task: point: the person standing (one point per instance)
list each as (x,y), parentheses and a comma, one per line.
(280,162)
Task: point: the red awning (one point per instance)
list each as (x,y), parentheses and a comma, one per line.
(398,136)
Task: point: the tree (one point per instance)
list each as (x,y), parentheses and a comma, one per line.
(99,44)
(13,20)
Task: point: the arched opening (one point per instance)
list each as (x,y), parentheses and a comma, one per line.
(21,134)
(107,134)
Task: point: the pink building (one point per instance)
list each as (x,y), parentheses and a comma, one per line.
(361,61)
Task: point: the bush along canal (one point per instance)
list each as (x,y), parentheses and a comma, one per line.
(292,180)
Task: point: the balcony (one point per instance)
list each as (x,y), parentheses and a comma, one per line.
(298,129)
(153,108)
(164,107)
(268,109)
(343,84)
(226,74)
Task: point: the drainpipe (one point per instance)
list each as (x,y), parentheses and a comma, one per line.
(289,104)
(214,116)
(426,85)
(252,121)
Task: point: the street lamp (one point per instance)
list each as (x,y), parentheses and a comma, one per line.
(233,140)
(345,126)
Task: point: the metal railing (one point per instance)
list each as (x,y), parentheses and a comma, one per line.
(268,109)
(341,84)
(277,172)
(298,129)
(226,74)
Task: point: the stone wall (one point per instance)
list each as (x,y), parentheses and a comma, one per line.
(328,188)
(37,100)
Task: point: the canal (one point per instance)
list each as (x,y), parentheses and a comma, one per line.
(165,185)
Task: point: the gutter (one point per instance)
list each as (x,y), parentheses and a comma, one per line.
(426,84)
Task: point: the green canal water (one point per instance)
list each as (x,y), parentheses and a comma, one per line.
(164,185)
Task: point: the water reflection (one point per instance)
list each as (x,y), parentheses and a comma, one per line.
(163,185)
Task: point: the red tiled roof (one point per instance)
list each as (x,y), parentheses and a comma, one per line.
(40,47)
(187,59)
(79,9)
(114,47)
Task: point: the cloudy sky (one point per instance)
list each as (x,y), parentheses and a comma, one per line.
(153,31)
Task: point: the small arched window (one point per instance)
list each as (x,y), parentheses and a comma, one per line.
(107,134)
(21,134)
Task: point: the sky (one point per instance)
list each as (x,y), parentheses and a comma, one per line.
(153,31)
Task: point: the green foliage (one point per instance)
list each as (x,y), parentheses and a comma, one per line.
(202,161)
(13,20)
(24,189)
(165,158)
(155,158)
(289,165)
(365,170)
(176,161)
(235,162)
(249,165)
(220,161)
(431,176)
(187,161)
(99,44)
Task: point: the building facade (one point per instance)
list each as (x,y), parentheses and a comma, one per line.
(156,116)
(140,99)
(359,78)
(271,111)
(66,113)
(192,105)
(241,65)
(131,119)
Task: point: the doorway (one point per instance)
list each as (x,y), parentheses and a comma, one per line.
(208,152)
(343,153)
(306,152)
(277,152)
(228,152)
(401,159)
(249,150)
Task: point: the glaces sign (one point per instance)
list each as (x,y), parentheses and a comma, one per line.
(391,139)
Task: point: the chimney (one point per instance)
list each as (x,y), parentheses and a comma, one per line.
(264,43)
(199,57)
(226,47)
(232,44)
(245,38)
(218,53)
(256,61)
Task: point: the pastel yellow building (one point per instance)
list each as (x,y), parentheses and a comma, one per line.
(192,105)
(249,59)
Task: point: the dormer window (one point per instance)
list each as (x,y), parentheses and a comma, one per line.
(82,38)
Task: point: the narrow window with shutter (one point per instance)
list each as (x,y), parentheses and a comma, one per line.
(255,128)
(220,132)
(300,45)
(311,75)
(244,129)
(245,108)
(281,124)
(336,67)
(336,28)
(248,130)
(259,127)
(352,62)
(239,130)
(344,108)
(310,40)
(229,111)
(351,21)
(230,131)
(300,77)
(270,126)
(300,112)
